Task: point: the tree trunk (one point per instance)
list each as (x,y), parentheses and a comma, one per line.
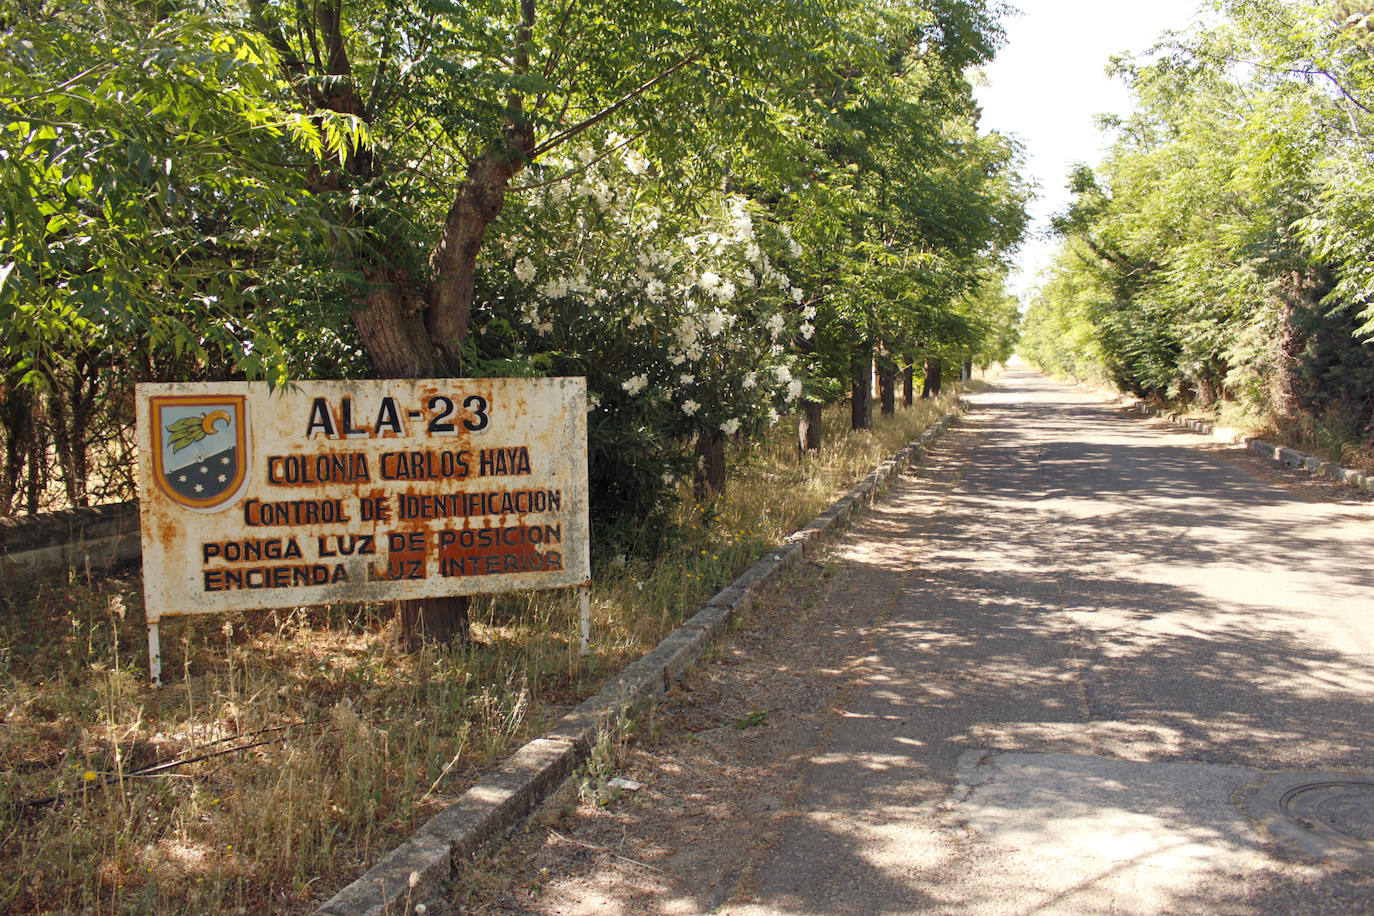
(442,620)
(966,372)
(809,428)
(887,386)
(931,385)
(37,461)
(909,383)
(710,474)
(410,337)
(479,200)
(392,329)
(861,408)
(16,421)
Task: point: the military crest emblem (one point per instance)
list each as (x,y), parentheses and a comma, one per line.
(200,448)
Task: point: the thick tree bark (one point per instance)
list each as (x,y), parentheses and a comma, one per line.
(861,406)
(710,474)
(479,200)
(392,329)
(809,428)
(887,386)
(443,620)
(931,385)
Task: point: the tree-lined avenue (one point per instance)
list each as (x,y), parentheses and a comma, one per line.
(1039,677)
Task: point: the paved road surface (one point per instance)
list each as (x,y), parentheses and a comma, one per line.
(1078,664)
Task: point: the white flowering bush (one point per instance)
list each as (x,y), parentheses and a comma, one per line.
(679,312)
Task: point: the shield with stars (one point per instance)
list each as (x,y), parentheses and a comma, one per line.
(200,453)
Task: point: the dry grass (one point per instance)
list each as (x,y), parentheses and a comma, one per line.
(291,748)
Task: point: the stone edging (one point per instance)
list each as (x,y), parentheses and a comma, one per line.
(98,537)
(1282,454)
(416,871)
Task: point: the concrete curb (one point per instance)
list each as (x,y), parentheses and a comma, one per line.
(1279,453)
(416,871)
(98,537)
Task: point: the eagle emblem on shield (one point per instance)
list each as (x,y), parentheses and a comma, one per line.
(200,448)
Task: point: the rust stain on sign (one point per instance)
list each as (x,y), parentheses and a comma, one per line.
(359,491)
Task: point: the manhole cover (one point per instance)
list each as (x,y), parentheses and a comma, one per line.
(1322,814)
(1344,807)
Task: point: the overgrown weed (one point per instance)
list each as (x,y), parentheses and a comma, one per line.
(291,748)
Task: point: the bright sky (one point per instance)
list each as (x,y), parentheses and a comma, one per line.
(1049,82)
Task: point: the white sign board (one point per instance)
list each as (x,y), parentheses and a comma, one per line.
(359,491)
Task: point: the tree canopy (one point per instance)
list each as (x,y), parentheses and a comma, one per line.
(1221,251)
(701,205)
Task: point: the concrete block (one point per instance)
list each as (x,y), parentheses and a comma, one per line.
(803,537)
(642,679)
(414,872)
(501,797)
(682,648)
(788,555)
(761,575)
(712,620)
(581,725)
(734,598)
(1290,457)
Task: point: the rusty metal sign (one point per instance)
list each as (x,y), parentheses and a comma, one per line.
(359,491)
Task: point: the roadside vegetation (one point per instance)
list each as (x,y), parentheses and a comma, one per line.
(737,219)
(289,749)
(1219,258)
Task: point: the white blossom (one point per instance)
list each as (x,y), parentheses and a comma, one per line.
(783,373)
(807,329)
(809,312)
(686,378)
(690,407)
(797,294)
(687,332)
(775,325)
(794,389)
(715,323)
(635,384)
(524,270)
(730,426)
(751,380)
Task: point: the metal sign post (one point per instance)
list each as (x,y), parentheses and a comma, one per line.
(584,596)
(154,655)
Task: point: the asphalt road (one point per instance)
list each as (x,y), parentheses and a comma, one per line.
(1078,663)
